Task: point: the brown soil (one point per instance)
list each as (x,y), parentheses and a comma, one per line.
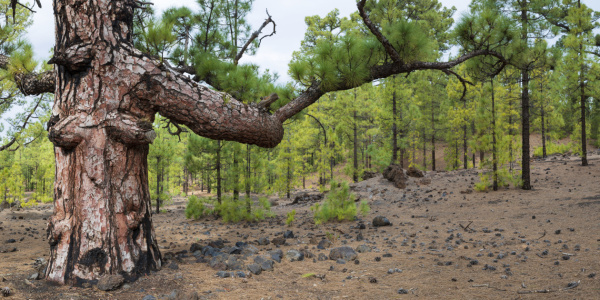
(437,232)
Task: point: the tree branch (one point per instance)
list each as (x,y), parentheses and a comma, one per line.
(15,137)
(31,83)
(315,90)
(382,39)
(267,101)
(207,112)
(461,79)
(254,36)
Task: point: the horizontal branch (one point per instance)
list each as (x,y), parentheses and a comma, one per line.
(315,90)
(206,112)
(31,83)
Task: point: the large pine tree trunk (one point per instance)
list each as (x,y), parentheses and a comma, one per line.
(106,96)
(102,221)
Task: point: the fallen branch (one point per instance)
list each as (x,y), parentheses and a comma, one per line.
(487,285)
(466,227)
(543,235)
(534,292)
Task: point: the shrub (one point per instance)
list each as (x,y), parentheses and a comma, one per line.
(505,178)
(197,208)
(364,208)
(230,210)
(290,217)
(233,211)
(339,205)
(553,148)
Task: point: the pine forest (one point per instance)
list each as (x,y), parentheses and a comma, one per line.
(408,148)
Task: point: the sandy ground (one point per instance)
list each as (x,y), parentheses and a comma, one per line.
(445,242)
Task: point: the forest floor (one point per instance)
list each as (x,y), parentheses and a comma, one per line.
(445,242)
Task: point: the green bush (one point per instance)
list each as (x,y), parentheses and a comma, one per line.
(197,208)
(339,205)
(232,211)
(553,148)
(364,208)
(505,179)
(290,217)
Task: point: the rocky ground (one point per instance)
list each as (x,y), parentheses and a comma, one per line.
(442,241)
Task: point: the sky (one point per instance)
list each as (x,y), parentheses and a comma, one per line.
(275,52)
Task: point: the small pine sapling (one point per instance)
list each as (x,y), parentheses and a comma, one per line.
(290,217)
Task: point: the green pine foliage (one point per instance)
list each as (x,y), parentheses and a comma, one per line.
(555,148)
(197,208)
(230,210)
(339,205)
(290,217)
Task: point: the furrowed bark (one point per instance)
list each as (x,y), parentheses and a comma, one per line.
(102,222)
(208,113)
(31,83)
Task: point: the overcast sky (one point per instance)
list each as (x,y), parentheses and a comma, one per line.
(275,52)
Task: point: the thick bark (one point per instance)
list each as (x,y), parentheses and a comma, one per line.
(31,83)
(102,221)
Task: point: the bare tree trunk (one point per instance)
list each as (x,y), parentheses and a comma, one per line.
(584,161)
(394,126)
(473,131)
(424,150)
(331,161)
(236,174)
(542,113)
(355,171)
(465,154)
(289,175)
(219,187)
(525,166)
(432,137)
(248,171)
(494,154)
(158,175)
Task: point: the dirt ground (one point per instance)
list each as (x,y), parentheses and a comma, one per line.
(445,242)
